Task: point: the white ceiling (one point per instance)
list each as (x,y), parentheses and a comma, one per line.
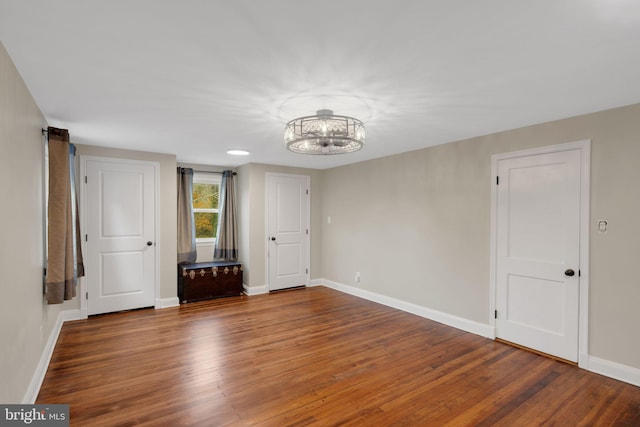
(196,78)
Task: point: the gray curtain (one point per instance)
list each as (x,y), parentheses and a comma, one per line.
(186,224)
(64,254)
(227,236)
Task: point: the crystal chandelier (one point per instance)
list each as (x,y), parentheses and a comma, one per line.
(324,133)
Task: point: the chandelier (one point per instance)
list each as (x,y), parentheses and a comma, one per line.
(324,133)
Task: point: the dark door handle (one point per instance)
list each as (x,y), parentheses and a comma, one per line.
(569,272)
(149,243)
(273,239)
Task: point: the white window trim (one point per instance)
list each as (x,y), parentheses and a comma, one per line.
(206,178)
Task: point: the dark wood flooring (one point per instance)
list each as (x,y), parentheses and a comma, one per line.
(314,357)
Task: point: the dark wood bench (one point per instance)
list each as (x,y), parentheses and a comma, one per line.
(207,280)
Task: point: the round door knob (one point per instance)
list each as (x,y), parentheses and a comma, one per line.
(273,239)
(569,272)
(149,243)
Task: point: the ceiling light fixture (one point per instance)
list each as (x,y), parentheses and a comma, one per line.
(238,152)
(324,133)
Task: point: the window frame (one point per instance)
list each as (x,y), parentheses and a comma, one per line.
(207,178)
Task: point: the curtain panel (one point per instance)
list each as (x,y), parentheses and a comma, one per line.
(227,235)
(186,224)
(64,262)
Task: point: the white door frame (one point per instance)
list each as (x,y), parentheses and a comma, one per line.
(267,176)
(83,221)
(585,173)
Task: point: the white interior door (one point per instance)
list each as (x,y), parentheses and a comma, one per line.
(538,252)
(120,235)
(288,230)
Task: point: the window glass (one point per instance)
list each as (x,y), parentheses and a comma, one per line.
(206,224)
(206,191)
(205,196)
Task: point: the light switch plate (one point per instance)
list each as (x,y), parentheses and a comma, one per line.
(602,225)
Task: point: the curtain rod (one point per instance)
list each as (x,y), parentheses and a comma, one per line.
(216,172)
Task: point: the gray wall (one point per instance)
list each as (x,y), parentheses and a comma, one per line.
(417,225)
(26,321)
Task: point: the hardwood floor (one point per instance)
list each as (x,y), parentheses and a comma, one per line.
(314,357)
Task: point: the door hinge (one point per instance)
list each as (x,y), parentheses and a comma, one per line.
(307,191)
(495,314)
(85,179)
(86,295)
(579,273)
(86,237)
(497,180)
(307,270)
(307,231)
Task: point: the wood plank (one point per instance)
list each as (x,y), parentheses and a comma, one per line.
(313,356)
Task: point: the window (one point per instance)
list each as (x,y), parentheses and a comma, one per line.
(206,190)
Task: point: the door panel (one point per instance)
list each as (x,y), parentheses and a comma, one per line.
(122,210)
(538,238)
(288,224)
(120,223)
(288,204)
(121,273)
(289,258)
(524,297)
(535,201)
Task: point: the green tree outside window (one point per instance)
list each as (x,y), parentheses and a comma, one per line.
(205,208)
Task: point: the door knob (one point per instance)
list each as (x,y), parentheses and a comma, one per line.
(569,272)
(149,243)
(273,239)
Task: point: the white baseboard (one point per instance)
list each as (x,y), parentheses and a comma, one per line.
(255,290)
(41,370)
(167,302)
(317,282)
(614,370)
(448,319)
(69,315)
